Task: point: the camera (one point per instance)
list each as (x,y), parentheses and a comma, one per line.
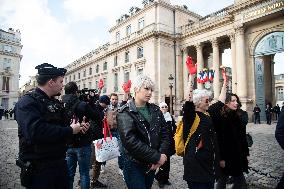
(88,95)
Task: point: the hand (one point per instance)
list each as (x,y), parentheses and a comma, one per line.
(101,84)
(162,160)
(155,166)
(191,68)
(126,86)
(84,126)
(224,74)
(75,126)
(222,163)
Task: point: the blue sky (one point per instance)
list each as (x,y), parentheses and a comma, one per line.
(61,31)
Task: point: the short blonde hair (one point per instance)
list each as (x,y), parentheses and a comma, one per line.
(142,80)
(198,94)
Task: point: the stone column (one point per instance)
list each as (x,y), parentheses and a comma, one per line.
(216,65)
(184,72)
(200,62)
(234,66)
(179,74)
(241,67)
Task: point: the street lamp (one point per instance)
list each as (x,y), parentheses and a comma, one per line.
(171,81)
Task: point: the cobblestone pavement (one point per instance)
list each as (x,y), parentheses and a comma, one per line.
(266,160)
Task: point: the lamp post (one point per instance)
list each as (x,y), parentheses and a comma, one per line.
(171,81)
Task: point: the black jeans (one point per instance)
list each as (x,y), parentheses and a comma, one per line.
(256,118)
(238,181)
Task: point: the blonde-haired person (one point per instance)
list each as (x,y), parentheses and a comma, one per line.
(162,176)
(144,136)
(201,162)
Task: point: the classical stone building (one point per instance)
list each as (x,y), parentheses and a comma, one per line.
(157,38)
(10,57)
(279,89)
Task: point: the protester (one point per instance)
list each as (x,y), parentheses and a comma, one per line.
(43,132)
(144,136)
(163,174)
(97,126)
(201,161)
(231,135)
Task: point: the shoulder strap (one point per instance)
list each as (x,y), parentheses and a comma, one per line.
(192,129)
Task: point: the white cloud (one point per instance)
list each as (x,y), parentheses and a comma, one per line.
(44,38)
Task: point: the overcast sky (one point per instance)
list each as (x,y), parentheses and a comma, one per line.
(61,31)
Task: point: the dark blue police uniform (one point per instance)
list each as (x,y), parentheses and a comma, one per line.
(43,134)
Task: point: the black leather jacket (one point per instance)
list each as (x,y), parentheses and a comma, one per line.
(143,143)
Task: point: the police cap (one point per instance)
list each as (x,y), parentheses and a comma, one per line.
(46,69)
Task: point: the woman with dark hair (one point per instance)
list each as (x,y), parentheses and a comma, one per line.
(231,134)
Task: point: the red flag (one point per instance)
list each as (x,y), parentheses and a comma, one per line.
(101,84)
(126,86)
(191,68)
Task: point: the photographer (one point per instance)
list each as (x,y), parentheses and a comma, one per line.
(79,148)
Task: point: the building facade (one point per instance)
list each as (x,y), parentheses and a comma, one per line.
(10,58)
(279,89)
(157,38)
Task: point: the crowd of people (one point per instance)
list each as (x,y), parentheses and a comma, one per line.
(56,135)
(270,113)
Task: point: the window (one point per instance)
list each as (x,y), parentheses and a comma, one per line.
(115,82)
(105,66)
(79,87)
(126,56)
(74,77)
(79,75)
(140,23)
(117,36)
(126,77)
(69,78)
(140,71)
(115,61)
(5,84)
(139,52)
(7,63)
(128,30)
(90,85)
(84,73)
(105,85)
(84,86)
(7,48)
(97,68)
(97,83)
(90,71)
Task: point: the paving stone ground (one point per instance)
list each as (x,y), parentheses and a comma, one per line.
(266,160)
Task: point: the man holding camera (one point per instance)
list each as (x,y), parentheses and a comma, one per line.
(43,132)
(79,148)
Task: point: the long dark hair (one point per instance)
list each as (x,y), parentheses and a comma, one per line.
(226,110)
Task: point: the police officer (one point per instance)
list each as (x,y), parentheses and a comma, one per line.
(43,132)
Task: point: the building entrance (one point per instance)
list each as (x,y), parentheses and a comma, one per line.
(264,53)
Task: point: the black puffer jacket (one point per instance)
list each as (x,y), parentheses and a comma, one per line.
(143,142)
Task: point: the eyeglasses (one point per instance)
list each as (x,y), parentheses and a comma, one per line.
(208,100)
(164,107)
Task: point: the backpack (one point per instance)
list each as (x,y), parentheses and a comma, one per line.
(180,145)
(111,118)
